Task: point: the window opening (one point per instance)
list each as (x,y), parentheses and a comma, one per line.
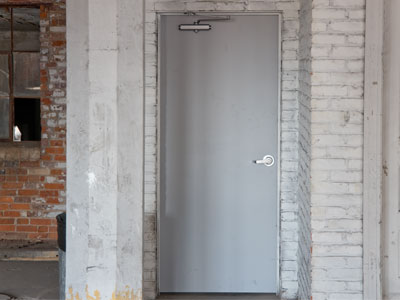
(20,74)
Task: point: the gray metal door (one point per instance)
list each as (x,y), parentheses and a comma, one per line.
(219,113)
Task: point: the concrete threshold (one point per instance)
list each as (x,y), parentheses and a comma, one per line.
(28,251)
(29,255)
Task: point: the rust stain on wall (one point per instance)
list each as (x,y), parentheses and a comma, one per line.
(128,294)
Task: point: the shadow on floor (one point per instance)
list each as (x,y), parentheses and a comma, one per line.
(29,279)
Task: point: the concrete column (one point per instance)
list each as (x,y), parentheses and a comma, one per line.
(104,149)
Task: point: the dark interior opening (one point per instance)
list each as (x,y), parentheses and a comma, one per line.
(27,118)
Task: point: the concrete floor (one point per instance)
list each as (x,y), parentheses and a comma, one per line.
(218,297)
(29,279)
(39,280)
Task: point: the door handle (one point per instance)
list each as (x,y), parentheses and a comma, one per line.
(268,160)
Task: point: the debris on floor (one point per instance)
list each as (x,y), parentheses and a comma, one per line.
(7,297)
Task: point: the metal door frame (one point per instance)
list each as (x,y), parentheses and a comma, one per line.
(158,179)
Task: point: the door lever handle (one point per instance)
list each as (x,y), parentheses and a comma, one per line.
(268,160)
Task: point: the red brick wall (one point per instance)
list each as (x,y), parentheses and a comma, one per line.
(32,179)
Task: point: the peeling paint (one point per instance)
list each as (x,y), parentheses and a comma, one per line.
(96,295)
(91,178)
(128,294)
(76,212)
(71,295)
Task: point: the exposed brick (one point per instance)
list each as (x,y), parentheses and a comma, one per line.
(46,157)
(7,228)
(20,206)
(10,213)
(52,235)
(40,222)
(6,199)
(22,199)
(54,186)
(53,193)
(8,192)
(46,101)
(7,221)
(52,200)
(57,143)
(43,229)
(12,171)
(22,178)
(41,171)
(27,228)
(12,185)
(28,192)
(57,172)
(60,158)
(24,169)
(54,150)
(39,236)
(11,178)
(2,208)
(35,178)
(28,164)
(58,43)
(23,221)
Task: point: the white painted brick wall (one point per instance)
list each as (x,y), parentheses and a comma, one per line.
(289,126)
(336,152)
(330,137)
